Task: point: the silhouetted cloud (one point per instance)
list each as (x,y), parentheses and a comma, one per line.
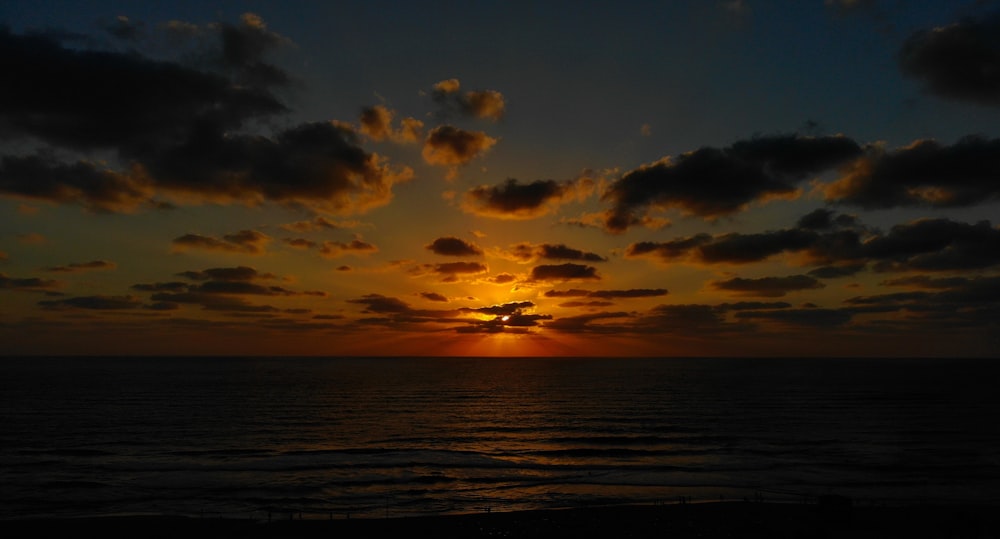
(563,272)
(713,182)
(767,286)
(245,241)
(452,246)
(960,61)
(99,303)
(220,289)
(608,294)
(333,249)
(847,248)
(801,317)
(433,296)
(925,173)
(514,200)
(83,266)
(33,284)
(528,252)
(174,128)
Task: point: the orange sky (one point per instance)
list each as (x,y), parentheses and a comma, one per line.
(699,179)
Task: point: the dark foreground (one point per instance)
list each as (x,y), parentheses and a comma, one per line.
(703,520)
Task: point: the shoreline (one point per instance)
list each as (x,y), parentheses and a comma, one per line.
(704,520)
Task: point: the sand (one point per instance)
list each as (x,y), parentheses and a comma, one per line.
(701,520)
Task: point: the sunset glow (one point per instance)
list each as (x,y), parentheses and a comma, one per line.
(696,179)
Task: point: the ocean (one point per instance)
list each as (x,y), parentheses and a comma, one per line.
(282,437)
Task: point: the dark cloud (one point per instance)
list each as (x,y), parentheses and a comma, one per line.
(801,317)
(607,294)
(450,271)
(514,200)
(300,243)
(174,128)
(504,309)
(333,249)
(317,223)
(220,289)
(84,266)
(960,61)
(508,317)
(26,283)
(433,296)
(100,303)
(935,245)
(734,248)
(771,287)
(587,304)
(712,182)
(528,252)
(846,249)
(245,241)
(925,173)
(563,272)
(452,246)
(237,273)
(503,278)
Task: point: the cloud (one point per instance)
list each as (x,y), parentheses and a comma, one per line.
(452,246)
(527,252)
(32,284)
(488,104)
(712,182)
(376,123)
(334,249)
(801,317)
(220,289)
(770,287)
(83,266)
(395,313)
(175,129)
(99,303)
(433,296)
(244,241)
(452,147)
(935,245)
(514,200)
(925,173)
(563,272)
(318,223)
(960,61)
(608,294)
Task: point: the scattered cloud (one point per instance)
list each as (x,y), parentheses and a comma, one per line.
(514,200)
(488,104)
(960,61)
(246,241)
(713,182)
(84,266)
(452,246)
(769,287)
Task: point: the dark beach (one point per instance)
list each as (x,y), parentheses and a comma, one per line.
(703,520)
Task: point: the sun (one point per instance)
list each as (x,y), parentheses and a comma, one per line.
(505,318)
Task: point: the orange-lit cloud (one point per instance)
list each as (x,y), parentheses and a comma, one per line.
(488,104)
(452,147)
(244,241)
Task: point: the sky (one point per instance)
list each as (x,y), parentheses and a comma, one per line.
(704,178)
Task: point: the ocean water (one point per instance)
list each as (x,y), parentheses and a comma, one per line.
(361,437)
